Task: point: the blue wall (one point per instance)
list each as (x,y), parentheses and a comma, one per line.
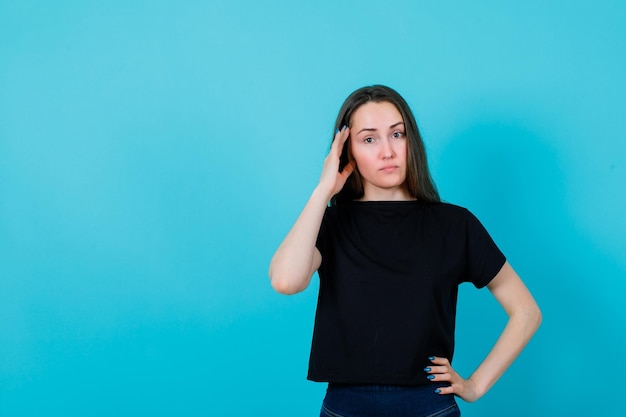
(154,153)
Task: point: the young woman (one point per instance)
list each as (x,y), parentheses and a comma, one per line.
(390,256)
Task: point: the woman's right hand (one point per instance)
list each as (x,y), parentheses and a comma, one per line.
(331,180)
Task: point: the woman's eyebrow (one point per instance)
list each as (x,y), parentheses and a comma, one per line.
(372,129)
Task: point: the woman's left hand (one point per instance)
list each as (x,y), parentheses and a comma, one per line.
(441,370)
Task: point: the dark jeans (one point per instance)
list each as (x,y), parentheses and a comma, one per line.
(387,401)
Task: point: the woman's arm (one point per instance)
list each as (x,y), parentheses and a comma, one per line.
(524,319)
(297,258)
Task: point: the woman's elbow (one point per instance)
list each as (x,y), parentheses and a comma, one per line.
(281,287)
(533,317)
(537,316)
(528,316)
(284,284)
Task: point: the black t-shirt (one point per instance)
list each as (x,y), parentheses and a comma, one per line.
(388,288)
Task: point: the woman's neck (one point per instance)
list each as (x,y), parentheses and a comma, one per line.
(383,194)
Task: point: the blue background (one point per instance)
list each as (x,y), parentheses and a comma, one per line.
(154,153)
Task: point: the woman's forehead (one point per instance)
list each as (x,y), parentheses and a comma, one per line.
(376,115)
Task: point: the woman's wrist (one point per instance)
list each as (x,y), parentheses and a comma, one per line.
(322,193)
(478,388)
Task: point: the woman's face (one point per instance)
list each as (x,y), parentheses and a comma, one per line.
(379,146)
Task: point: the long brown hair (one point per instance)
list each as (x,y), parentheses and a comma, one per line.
(418,179)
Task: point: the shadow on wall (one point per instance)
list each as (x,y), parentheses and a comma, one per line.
(511,177)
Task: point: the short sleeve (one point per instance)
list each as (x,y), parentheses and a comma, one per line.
(483,258)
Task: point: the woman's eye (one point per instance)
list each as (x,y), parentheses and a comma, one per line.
(398,135)
(368,140)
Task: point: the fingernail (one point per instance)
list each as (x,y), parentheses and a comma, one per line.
(427,369)
(431,358)
(431,377)
(344,127)
(437,391)
(336,131)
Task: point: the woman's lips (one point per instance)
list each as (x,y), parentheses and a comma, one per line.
(389,168)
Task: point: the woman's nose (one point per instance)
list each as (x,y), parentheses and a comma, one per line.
(387,149)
